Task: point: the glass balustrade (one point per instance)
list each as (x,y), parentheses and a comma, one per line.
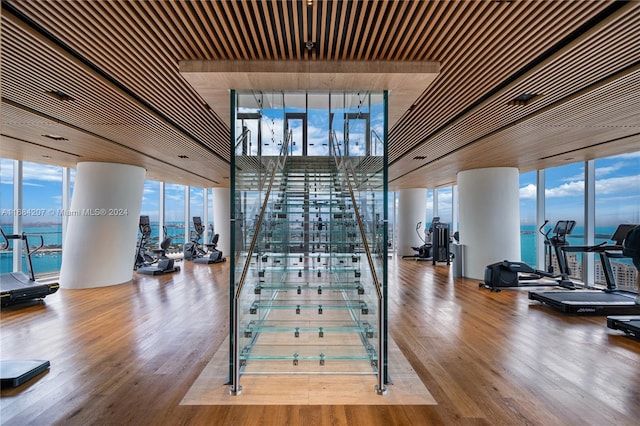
(309,252)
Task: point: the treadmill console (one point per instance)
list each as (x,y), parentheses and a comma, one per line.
(621,233)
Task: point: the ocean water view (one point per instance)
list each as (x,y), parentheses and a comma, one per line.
(49,258)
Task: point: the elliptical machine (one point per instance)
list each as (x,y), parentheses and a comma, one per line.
(194,251)
(153,265)
(508,274)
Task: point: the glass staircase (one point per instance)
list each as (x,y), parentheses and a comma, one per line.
(310,257)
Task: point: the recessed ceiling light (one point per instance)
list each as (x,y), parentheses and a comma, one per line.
(60,95)
(56,137)
(524,99)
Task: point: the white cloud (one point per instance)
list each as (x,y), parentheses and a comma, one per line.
(528,192)
(30,172)
(603,171)
(571,189)
(618,185)
(41,172)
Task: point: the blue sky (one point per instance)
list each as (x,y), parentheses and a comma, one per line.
(617,191)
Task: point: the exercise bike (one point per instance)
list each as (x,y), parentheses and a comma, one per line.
(194,251)
(148,264)
(511,274)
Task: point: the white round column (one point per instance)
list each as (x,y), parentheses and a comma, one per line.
(222,218)
(489,208)
(100,244)
(412,208)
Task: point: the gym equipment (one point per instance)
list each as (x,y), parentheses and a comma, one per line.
(509,274)
(16,287)
(629,324)
(435,244)
(608,301)
(16,372)
(146,264)
(423,251)
(194,251)
(440,245)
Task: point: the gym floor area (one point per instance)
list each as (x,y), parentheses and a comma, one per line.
(128,354)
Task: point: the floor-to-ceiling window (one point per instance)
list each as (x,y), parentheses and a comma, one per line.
(42,202)
(528,225)
(617,200)
(151,207)
(174,199)
(564,200)
(445,204)
(196,208)
(6,218)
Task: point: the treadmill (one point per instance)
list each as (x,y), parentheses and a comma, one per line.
(629,324)
(609,301)
(16,287)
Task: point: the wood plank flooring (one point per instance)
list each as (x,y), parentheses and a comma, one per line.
(128,354)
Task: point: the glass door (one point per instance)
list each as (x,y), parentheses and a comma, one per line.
(296,123)
(357,131)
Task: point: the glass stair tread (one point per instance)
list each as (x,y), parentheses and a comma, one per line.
(314,352)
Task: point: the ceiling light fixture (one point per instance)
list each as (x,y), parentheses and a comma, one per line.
(524,99)
(60,95)
(56,137)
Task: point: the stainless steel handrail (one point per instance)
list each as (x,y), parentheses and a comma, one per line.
(341,163)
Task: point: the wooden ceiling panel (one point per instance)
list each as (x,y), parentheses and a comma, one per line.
(121,61)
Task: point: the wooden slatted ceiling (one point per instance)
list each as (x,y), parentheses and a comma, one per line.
(594,65)
(479,44)
(97,109)
(579,121)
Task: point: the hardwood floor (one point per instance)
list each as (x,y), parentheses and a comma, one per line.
(128,354)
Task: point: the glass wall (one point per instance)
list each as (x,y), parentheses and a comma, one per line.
(151,207)
(564,200)
(617,200)
(174,200)
(528,225)
(445,205)
(6,218)
(42,200)
(431,212)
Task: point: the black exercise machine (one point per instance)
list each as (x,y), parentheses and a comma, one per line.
(510,274)
(153,265)
(16,287)
(423,252)
(608,301)
(629,324)
(194,251)
(435,244)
